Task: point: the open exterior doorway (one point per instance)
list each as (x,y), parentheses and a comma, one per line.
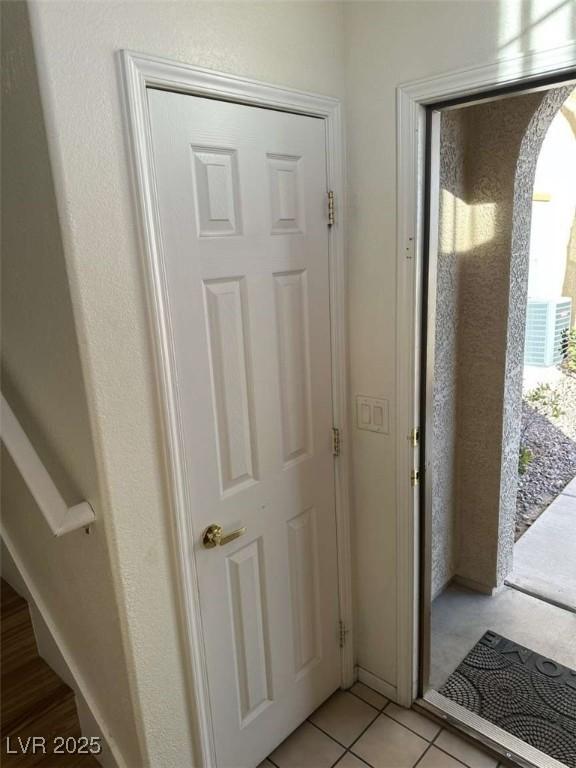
(545,549)
(498,656)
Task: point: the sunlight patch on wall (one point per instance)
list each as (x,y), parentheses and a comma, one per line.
(464,227)
(526,25)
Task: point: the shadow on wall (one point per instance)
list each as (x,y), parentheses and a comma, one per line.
(41,371)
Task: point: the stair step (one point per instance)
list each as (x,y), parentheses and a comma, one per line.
(17,639)
(57,718)
(69,761)
(28,691)
(34,701)
(11,600)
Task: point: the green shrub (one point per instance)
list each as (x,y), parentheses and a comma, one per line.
(545,400)
(569,362)
(525,458)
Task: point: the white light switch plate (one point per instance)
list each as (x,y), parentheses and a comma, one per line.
(372,414)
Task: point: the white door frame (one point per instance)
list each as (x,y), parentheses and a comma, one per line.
(411,101)
(140,71)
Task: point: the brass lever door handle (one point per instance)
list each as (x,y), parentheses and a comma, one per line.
(214,536)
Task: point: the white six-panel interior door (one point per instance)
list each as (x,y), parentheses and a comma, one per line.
(242,205)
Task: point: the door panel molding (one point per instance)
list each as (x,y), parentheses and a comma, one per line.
(411,101)
(139,72)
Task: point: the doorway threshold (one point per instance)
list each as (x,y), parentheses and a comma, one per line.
(489,735)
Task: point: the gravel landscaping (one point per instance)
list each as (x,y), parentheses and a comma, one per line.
(552,441)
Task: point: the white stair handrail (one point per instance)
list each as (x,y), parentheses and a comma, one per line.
(60,517)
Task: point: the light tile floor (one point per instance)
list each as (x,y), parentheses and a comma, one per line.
(360,728)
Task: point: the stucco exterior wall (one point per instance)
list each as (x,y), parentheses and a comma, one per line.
(444,445)
(488,163)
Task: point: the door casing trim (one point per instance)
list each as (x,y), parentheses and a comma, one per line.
(411,101)
(138,72)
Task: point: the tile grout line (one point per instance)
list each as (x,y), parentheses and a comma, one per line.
(430,745)
(376,716)
(378,712)
(346,749)
(378,709)
(411,729)
(349,749)
(469,744)
(348,752)
(365,729)
(318,728)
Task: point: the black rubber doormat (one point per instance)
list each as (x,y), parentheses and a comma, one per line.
(522,692)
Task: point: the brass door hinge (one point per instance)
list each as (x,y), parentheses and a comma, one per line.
(335,441)
(415,477)
(342,632)
(415,437)
(331,206)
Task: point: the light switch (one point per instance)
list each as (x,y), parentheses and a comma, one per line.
(372,413)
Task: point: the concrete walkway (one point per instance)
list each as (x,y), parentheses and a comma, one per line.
(545,556)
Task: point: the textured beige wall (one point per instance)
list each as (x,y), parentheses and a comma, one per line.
(43,380)
(299,45)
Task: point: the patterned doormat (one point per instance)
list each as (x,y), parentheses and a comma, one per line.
(528,695)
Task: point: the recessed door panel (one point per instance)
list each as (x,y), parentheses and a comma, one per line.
(231,380)
(249,623)
(304,586)
(294,370)
(216,193)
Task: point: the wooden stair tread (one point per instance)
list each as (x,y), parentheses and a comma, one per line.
(27,690)
(58,718)
(35,701)
(69,761)
(11,600)
(17,639)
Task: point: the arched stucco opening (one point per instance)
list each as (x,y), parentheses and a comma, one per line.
(530,147)
(488,157)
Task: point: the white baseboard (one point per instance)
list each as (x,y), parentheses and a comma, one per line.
(377,683)
(53,649)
